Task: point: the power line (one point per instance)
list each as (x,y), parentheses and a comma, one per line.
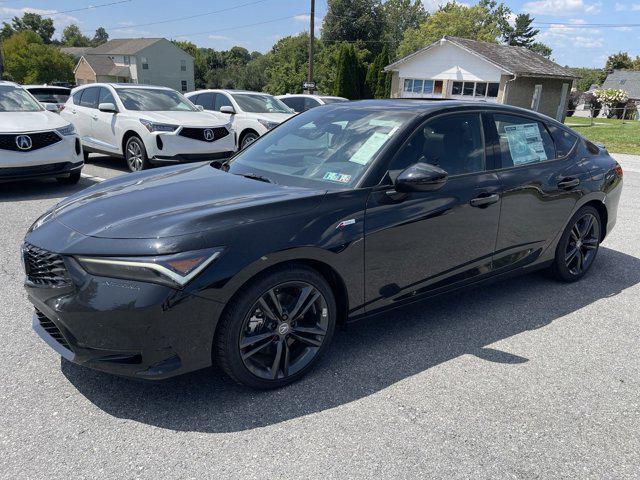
(92,7)
(189,34)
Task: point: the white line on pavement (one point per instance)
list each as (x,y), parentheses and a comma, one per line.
(92,177)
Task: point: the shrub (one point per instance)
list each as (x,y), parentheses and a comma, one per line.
(591,102)
(613,99)
(574,98)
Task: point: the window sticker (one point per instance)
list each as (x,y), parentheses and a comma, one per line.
(369,148)
(337,177)
(525,143)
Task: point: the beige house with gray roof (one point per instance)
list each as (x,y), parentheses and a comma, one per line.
(459,68)
(147,61)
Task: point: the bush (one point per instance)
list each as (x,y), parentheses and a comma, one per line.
(632,110)
(591,102)
(574,98)
(613,99)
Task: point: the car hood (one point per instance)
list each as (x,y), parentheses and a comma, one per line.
(271,117)
(177,201)
(187,119)
(15,122)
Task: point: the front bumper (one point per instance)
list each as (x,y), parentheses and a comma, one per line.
(173,147)
(127,328)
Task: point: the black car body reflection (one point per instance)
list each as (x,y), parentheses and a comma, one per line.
(357,207)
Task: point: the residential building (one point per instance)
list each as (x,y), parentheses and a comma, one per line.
(147,61)
(459,68)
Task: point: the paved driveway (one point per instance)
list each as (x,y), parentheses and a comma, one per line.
(526,378)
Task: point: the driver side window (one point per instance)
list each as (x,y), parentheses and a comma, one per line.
(452,142)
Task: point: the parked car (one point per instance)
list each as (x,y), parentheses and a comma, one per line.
(35,142)
(51,97)
(341,212)
(303,102)
(252,114)
(146,125)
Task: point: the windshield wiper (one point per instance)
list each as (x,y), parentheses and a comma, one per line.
(255,176)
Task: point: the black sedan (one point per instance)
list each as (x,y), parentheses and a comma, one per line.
(341,212)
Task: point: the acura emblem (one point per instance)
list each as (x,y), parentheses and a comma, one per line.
(23,142)
(208,135)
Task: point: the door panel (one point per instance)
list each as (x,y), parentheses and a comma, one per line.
(104,124)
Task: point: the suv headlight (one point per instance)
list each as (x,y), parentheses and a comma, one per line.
(172,270)
(67,131)
(267,124)
(158,127)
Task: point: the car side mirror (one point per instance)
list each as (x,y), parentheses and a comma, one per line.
(51,107)
(421,177)
(200,108)
(227,109)
(108,108)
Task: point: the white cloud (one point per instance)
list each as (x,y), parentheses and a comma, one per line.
(560,7)
(571,36)
(303,18)
(622,7)
(59,20)
(218,37)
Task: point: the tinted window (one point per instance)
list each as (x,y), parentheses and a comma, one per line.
(221,100)
(451,142)
(76,97)
(90,97)
(260,103)
(205,100)
(310,103)
(106,96)
(523,140)
(153,100)
(295,103)
(564,140)
(50,95)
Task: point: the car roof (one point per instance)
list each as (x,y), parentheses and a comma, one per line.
(227,90)
(122,85)
(10,84)
(47,86)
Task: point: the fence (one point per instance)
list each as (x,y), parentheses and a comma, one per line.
(603,115)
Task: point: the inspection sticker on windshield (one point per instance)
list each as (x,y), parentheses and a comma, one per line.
(369,148)
(337,177)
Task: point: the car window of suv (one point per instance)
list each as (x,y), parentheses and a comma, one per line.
(77,96)
(221,101)
(295,103)
(310,103)
(106,96)
(205,100)
(89,97)
(523,140)
(451,142)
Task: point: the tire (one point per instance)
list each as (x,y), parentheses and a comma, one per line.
(247,139)
(280,346)
(136,154)
(578,246)
(71,179)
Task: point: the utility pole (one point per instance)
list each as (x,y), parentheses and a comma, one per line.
(311,42)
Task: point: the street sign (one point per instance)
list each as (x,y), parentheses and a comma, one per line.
(309,85)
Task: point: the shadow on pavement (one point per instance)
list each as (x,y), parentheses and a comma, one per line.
(105,161)
(40,189)
(370,356)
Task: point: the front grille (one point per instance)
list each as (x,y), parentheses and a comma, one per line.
(52,330)
(44,268)
(35,140)
(199,133)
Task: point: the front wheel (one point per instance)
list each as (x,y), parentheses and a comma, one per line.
(136,154)
(276,330)
(578,246)
(248,139)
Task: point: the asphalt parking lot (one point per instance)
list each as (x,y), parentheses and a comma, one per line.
(526,378)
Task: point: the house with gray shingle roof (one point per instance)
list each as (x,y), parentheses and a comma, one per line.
(148,61)
(627,80)
(459,68)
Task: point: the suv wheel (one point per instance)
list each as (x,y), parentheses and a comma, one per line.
(276,330)
(136,155)
(248,139)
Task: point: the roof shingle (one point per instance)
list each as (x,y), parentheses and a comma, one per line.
(627,80)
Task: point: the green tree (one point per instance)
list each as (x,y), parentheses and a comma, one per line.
(287,64)
(27,59)
(359,21)
(378,82)
(619,61)
(255,76)
(73,37)
(101,36)
(484,21)
(589,77)
(522,34)
(33,22)
(350,77)
(541,49)
(399,15)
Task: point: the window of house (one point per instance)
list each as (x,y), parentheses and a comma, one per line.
(535,100)
(145,63)
(183,65)
(417,86)
(492,90)
(127,60)
(523,140)
(456,89)
(437,87)
(183,85)
(481,89)
(451,142)
(467,89)
(408,84)
(428,86)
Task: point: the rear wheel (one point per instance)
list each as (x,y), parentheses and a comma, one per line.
(136,154)
(578,245)
(276,330)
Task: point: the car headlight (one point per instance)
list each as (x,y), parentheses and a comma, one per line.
(67,131)
(158,127)
(172,270)
(267,124)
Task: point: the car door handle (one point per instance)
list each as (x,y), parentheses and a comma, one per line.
(484,200)
(95,117)
(569,183)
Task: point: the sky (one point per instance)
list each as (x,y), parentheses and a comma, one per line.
(581,32)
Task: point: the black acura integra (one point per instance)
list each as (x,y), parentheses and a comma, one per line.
(343,211)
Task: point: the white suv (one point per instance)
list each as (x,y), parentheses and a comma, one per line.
(35,142)
(146,125)
(252,114)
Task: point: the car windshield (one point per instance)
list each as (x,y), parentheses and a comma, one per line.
(333,99)
(13,99)
(321,148)
(257,103)
(154,100)
(50,95)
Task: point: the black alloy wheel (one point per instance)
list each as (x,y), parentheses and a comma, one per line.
(578,246)
(278,329)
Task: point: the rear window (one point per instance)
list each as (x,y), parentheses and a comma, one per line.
(523,140)
(50,95)
(564,139)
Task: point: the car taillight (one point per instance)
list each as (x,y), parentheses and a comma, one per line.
(618,170)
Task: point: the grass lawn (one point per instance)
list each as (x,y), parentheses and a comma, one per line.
(612,133)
